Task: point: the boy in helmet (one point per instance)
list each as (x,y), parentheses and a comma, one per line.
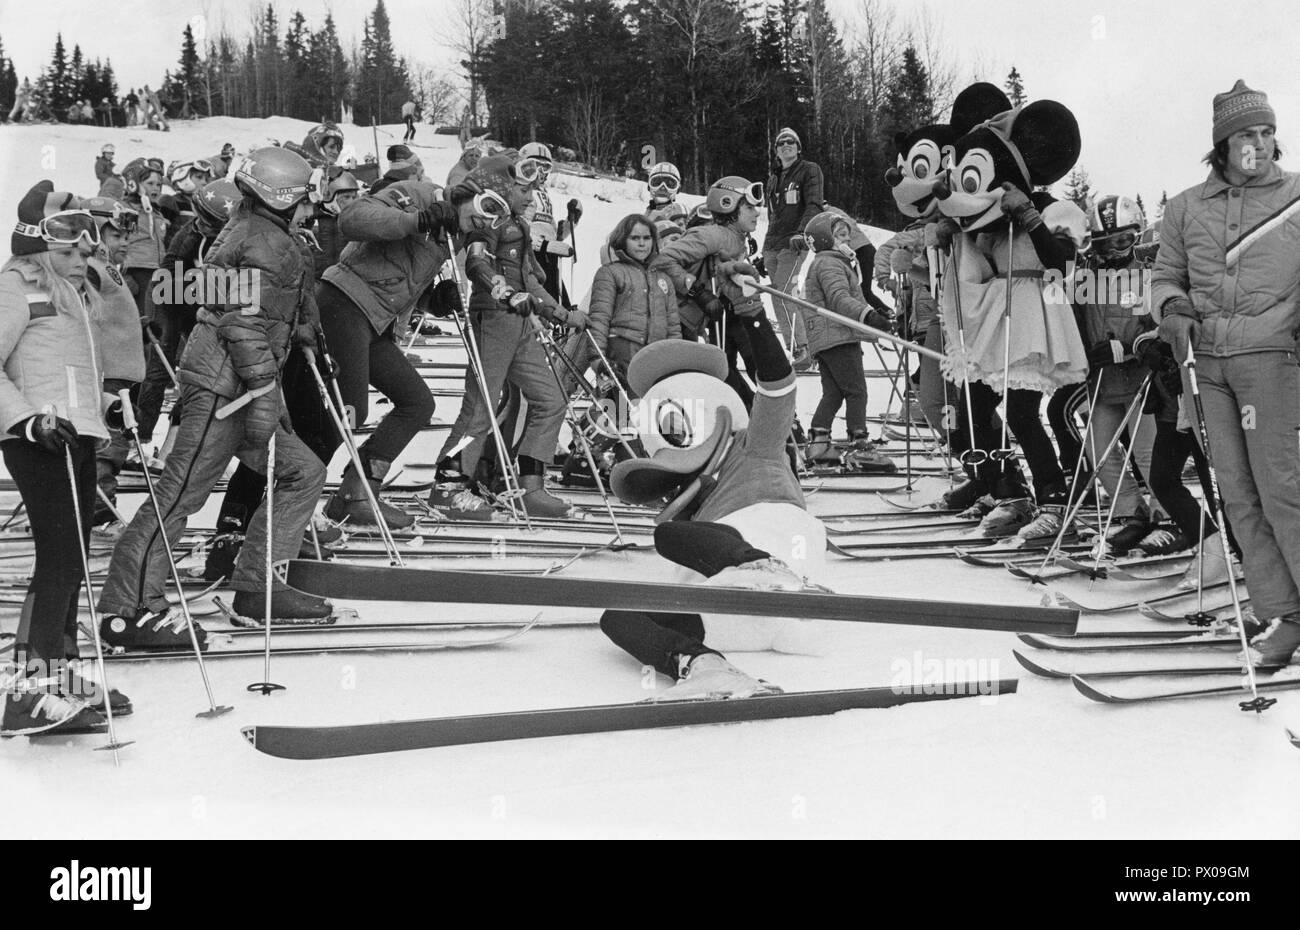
(238,346)
(549,243)
(506,290)
(104,164)
(664,182)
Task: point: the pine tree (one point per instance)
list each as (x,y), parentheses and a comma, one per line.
(7,90)
(329,73)
(1015,87)
(298,103)
(1141,206)
(383,84)
(1078,189)
(76,75)
(1160,207)
(57,84)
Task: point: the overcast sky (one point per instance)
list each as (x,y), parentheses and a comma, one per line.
(1139,74)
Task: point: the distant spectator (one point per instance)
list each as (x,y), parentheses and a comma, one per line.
(131,104)
(105,109)
(104,163)
(408,117)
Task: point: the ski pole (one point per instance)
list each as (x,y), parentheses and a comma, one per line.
(129,424)
(749,285)
(465,329)
(117,514)
(1258,704)
(1005,452)
(974,456)
(618,385)
(162,357)
(340,419)
(113,745)
(243,400)
(548,346)
(266,685)
(1123,471)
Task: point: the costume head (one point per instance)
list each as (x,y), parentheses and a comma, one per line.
(923,153)
(1031,146)
(686,420)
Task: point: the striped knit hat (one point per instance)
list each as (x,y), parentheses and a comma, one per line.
(1239,108)
(38,203)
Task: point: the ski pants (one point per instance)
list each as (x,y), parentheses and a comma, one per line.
(937,399)
(1062,416)
(732,337)
(49,630)
(782,265)
(110,456)
(410,128)
(1170,453)
(1024,424)
(367,358)
(843,383)
(510,352)
(657,639)
(1252,411)
(137,575)
(176,323)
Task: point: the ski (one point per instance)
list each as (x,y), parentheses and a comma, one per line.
(1154,613)
(1089,690)
(1065,601)
(1146,641)
(337,579)
(329,648)
(1294,737)
(921,526)
(395,627)
(1121,571)
(1047,671)
(400,735)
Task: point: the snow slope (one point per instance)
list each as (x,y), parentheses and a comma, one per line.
(1043,762)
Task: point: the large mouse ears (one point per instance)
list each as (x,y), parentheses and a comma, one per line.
(1047,135)
(976,104)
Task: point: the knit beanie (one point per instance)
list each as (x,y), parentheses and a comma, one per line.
(788,133)
(38,203)
(1239,108)
(403,164)
(493,171)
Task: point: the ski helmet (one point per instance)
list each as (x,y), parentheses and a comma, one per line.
(726,195)
(275,176)
(663,177)
(324,132)
(338,182)
(536,150)
(1114,212)
(501,172)
(216,201)
(109,149)
(820,231)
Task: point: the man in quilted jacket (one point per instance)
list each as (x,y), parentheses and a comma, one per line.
(236,351)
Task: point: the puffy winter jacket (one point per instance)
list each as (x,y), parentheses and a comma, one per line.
(103,168)
(187,250)
(390,262)
(1251,304)
(243,341)
(1117,308)
(118,327)
(833,283)
(633,301)
(506,251)
(50,357)
(331,244)
(704,253)
(911,238)
(146,246)
(794,196)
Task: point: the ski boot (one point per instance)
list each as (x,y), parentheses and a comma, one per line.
(150,631)
(709,676)
(30,712)
(1277,644)
(91,691)
(1163,540)
(220,562)
(1123,539)
(1048,518)
(287,606)
(1208,566)
(351,503)
(1007,518)
(454,498)
(538,501)
(964,496)
(863,456)
(327,532)
(820,449)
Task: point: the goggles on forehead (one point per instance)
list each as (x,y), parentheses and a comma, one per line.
(665,182)
(65,228)
(318,185)
(752,194)
(122,218)
(491,206)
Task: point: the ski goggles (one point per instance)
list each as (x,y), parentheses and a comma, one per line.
(1116,243)
(65,228)
(526,170)
(318,185)
(491,206)
(665,183)
(753,194)
(121,217)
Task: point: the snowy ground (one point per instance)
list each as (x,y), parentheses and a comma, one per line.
(1040,763)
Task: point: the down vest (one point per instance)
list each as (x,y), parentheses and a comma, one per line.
(242,336)
(1250,304)
(389,263)
(833,283)
(633,301)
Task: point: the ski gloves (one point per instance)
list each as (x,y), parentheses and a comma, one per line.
(51,433)
(1179,326)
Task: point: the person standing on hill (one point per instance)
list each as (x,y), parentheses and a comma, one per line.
(794,196)
(408,117)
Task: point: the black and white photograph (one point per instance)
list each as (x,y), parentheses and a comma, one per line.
(651,419)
